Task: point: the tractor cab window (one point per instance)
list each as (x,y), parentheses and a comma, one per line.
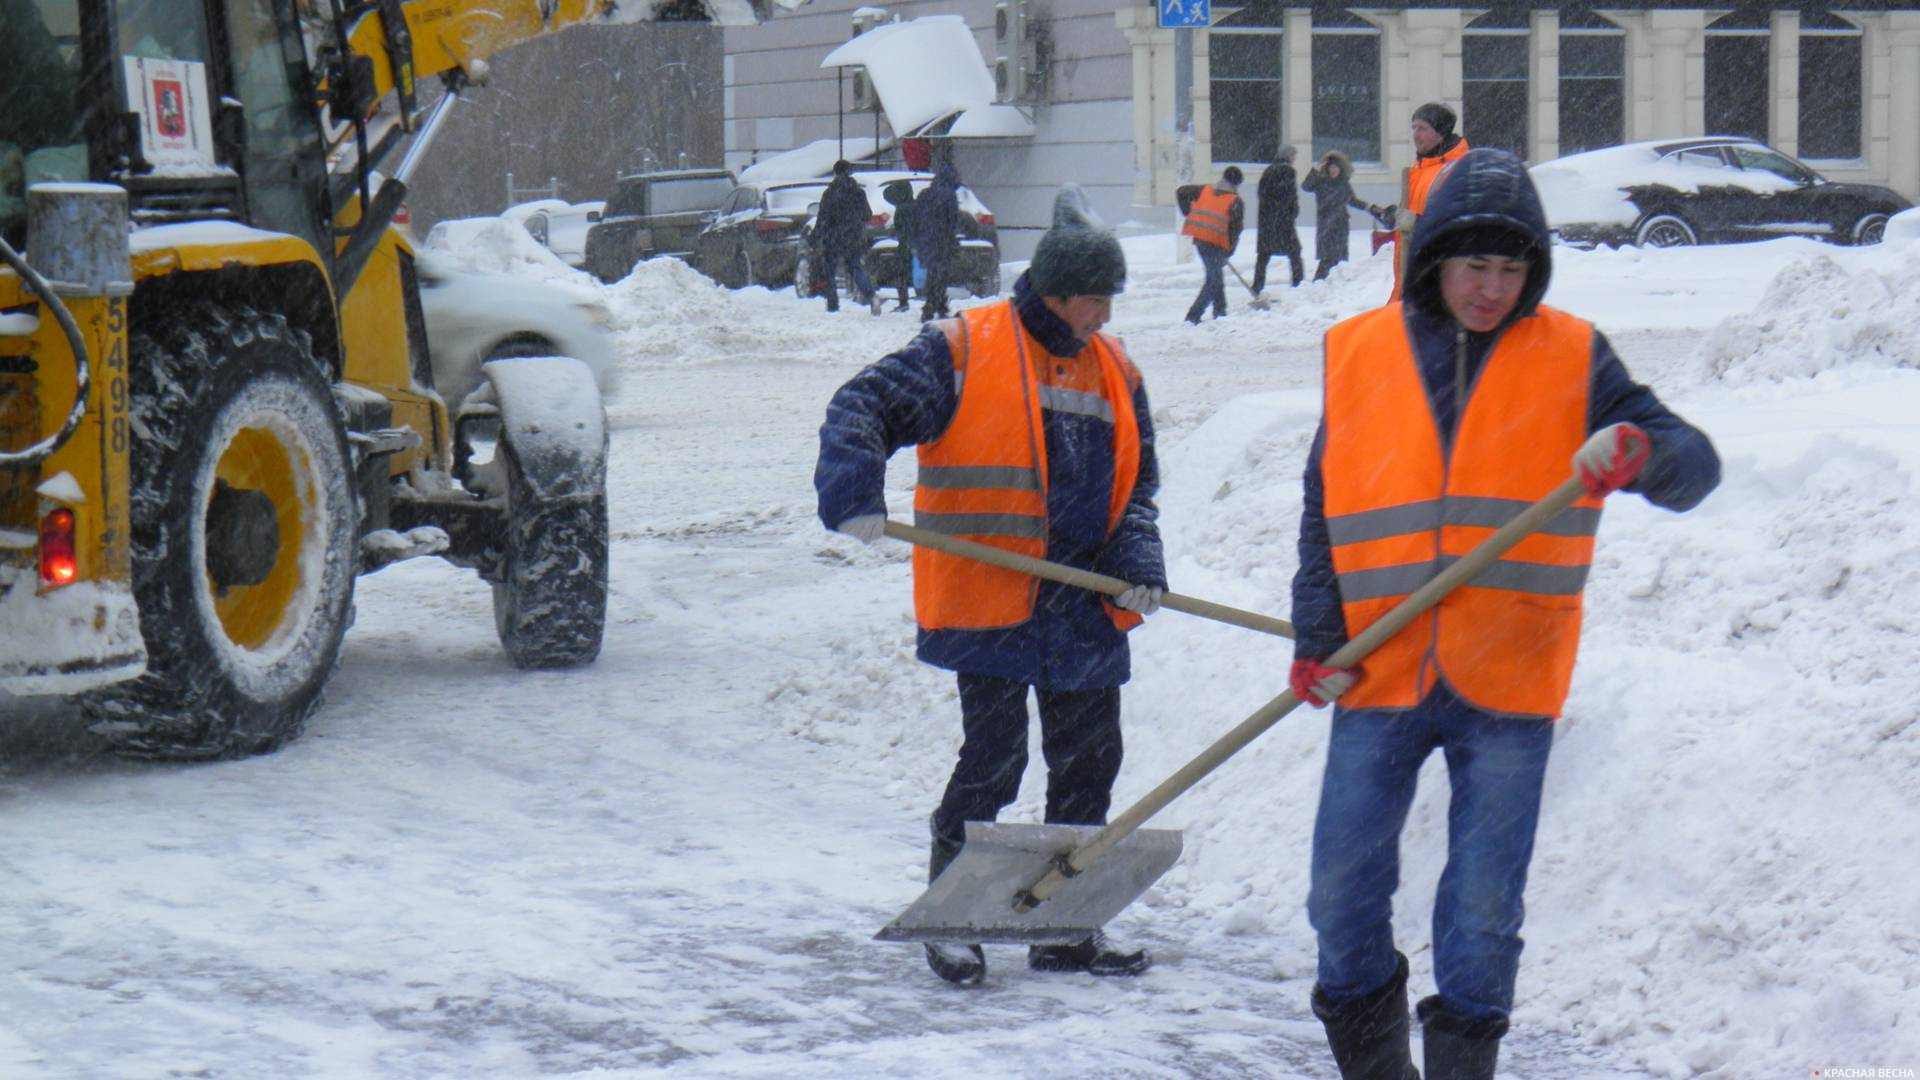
(40,137)
(163,30)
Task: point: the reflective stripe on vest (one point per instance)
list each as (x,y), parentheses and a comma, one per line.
(1210,217)
(985,478)
(1400,509)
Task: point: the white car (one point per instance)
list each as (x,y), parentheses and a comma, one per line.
(558,225)
(473,318)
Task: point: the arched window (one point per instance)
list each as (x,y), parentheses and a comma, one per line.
(1593,65)
(1831,97)
(1244,51)
(1493,106)
(1346,85)
(1737,74)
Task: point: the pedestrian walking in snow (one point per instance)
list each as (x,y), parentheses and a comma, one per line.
(1279,211)
(1034,436)
(1445,416)
(1330,182)
(936,238)
(1215,215)
(899,195)
(840,228)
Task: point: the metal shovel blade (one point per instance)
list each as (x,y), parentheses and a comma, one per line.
(972,900)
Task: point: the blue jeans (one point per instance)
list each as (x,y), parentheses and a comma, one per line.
(1496,766)
(831,259)
(1214,289)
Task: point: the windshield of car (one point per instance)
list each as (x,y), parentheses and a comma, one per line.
(695,193)
(1778,164)
(40,137)
(796,197)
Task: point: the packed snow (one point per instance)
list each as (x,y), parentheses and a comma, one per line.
(671,862)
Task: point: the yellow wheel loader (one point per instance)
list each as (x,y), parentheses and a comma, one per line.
(216,408)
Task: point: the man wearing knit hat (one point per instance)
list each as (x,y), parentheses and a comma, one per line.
(1435,146)
(1034,436)
(1215,215)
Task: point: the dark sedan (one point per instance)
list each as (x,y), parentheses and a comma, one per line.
(754,238)
(1679,192)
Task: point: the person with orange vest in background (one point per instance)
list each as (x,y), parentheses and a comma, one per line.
(1034,436)
(1445,415)
(1435,146)
(1215,215)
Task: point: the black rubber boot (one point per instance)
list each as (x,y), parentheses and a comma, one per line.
(962,965)
(1371,1037)
(1095,956)
(1459,1047)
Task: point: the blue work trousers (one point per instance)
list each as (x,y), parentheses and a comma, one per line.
(1079,736)
(831,259)
(1213,290)
(1496,766)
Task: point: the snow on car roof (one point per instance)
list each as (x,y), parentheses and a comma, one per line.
(1591,187)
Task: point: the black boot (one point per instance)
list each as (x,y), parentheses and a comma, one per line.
(1459,1047)
(1371,1037)
(1095,956)
(962,965)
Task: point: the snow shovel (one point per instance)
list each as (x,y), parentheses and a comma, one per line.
(1257,302)
(1085,579)
(1057,884)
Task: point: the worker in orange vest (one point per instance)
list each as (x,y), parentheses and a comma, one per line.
(1034,436)
(1215,216)
(1435,146)
(1445,415)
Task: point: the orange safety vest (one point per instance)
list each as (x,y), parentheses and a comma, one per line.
(1209,217)
(1418,184)
(1400,508)
(985,478)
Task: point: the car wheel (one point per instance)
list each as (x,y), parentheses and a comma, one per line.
(1870,229)
(743,268)
(243,528)
(1665,231)
(522,345)
(803,277)
(989,285)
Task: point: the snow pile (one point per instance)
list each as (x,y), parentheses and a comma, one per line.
(1818,315)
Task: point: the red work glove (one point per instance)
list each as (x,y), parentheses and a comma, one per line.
(1316,684)
(1611,458)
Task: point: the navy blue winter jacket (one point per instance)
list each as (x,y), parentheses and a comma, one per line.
(936,220)
(1490,187)
(908,398)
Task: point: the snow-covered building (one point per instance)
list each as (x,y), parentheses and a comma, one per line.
(1091,83)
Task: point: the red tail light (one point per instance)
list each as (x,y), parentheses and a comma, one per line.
(877,220)
(984,219)
(57,563)
(772,224)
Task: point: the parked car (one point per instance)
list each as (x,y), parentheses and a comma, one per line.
(559,226)
(472,318)
(1675,192)
(977,270)
(654,213)
(754,238)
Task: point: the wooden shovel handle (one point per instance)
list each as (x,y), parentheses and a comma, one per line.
(1085,579)
(1348,655)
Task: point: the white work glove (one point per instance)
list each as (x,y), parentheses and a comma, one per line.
(865,528)
(1404,219)
(1611,458)
(1141,599)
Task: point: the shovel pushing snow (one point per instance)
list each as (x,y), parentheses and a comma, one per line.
(1057,884)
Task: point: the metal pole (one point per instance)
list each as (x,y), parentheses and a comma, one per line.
(1182,128)
(840,106)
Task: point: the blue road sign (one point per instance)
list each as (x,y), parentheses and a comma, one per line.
(1185,14)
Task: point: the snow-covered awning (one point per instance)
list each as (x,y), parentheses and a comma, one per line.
(929,70)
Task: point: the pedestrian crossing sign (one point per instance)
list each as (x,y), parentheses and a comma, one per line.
(1189,14)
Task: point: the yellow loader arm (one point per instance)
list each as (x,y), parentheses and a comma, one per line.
(450,35)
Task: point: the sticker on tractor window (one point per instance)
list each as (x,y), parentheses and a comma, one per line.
(175,116)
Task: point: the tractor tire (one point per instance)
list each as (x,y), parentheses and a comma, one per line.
(244,527)
(550,606)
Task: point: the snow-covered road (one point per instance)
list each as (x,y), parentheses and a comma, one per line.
(672,861)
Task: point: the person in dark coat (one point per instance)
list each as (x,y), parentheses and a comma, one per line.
(1215,216)
(840,231)
(1279,210)
(899,194)
(1073,481)
(1330,182)
(936,238)
(1446,415)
